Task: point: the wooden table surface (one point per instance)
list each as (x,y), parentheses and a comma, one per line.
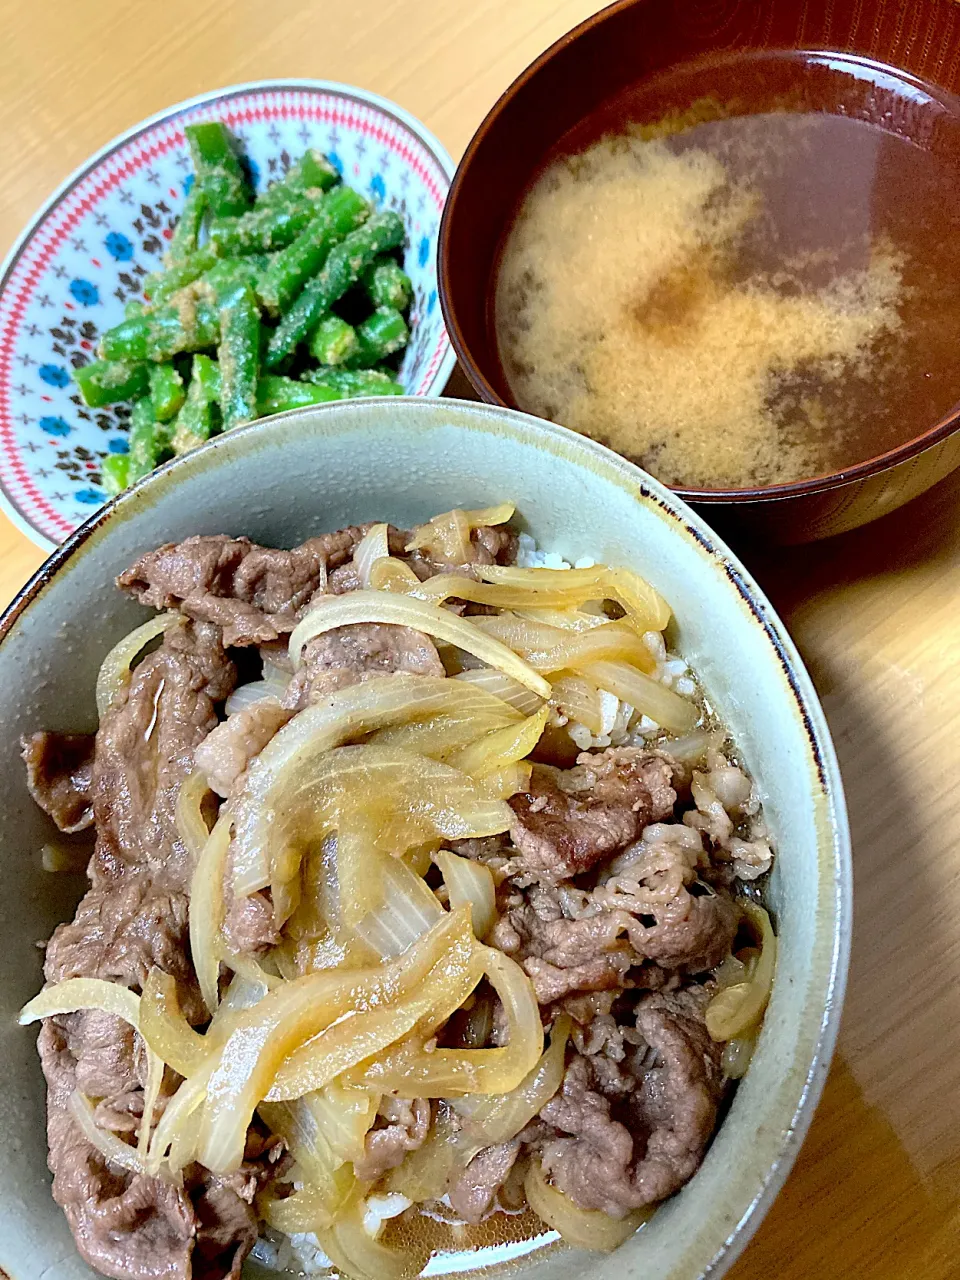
(875,1190)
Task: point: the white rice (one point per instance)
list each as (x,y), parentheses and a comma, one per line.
(621,725)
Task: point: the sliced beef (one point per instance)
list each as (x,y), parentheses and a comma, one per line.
(256,594)
(573,941)
(120,932)
(472,1196)
(572,819)
(401,1126)
(145,749)
(489,544)
(601,1163)
(223,756)
(128,1227)
(133,1227)
(250,925)
(563,955)
(59,775)
(351,655)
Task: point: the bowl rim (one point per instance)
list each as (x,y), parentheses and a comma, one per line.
(588,453)
(335,88)
(939,431)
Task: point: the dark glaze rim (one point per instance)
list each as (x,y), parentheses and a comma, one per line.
(934,435)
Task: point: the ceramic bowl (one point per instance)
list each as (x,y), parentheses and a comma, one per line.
(288,477)
(612,51)
(86,252)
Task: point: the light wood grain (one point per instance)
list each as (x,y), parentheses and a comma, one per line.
(875,1191)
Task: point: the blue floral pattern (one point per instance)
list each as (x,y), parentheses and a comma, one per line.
(86,258)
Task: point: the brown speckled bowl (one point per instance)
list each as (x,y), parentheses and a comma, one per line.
(294,475)
(611,51)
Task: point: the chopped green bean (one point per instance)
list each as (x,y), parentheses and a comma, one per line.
(185,234)
(162,285)
(195,421)
(206,373)
(145,442)
(231,277)
(219,174)
(276,394)
(378,337)
(115,473)
(239,359)
(263,227)
(166,391)
(344,266)
(334,341)
(352,383)
(104,382)
(388,285)
(338,214)
(312,172)
(184,324)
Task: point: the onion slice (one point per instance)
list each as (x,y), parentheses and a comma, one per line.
(583,1228)
(297,747)
(736,1010)
(404,611)
(113,1149)
(188,814)
(410,1072)
(647,609)
(519,696)
(75,995)
(469,884)
(207,909)
(372,546)
(648,696)
(114,674)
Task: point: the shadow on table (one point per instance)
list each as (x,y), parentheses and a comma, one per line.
(874,1191)
(924,533)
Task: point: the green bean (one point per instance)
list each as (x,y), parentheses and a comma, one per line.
(109,381)
(230,278)
(276,394)
(344,266)
(195,421)
(206,372)
(134,308)
(239,359)
(185,324)
(333,341)
(184,239)
(166,391)
(162,285)
(312,172)
(338,214)
(115,473)
(219,174)
(378,337)
(388,285)
(145,441)
(263,227)
(352,383)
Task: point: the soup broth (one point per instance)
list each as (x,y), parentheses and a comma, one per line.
(743,272)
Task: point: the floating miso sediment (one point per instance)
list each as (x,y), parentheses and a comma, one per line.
(744,272)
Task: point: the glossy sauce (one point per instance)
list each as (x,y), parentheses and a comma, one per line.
(745,271)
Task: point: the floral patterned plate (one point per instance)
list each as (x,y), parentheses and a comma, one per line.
(88,249)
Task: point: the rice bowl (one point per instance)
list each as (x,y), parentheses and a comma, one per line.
(443,456)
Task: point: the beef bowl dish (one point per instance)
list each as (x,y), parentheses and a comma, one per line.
(437,872)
